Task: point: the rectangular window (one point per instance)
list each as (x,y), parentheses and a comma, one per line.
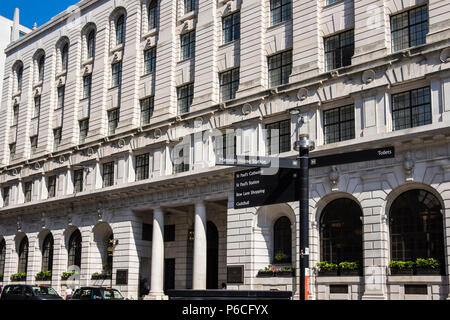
(226,144)
(87,86)
(147,106)
(142,167)
(116,74)
(51,187)
(147,232)
(185,98)
(28,187)
(84,129)
(280,68)
(37,107)
(15,115)
(57,135)
(187,45)
(278,137)
(78,181)
(61,97)
(181,159)
(339,50)
(149,60)
(34,144)
(113,121)
(6,196)
(409,28)
(108,174)
(280,10)
(229,84)
(189,5)
(12,151)
(411,109)
(169,233)
(339,124)
(331,2)
(231,27)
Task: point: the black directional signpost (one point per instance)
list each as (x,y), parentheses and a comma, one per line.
(264,185)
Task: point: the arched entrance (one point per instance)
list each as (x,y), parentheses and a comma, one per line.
(212,274)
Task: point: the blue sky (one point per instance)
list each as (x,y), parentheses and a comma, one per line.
(31,11)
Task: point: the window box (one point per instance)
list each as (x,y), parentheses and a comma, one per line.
(350,273)
(287,273)
(329,273)
(265,274)
(19,277)
(101,276)
(326,269)
(44,276)
(66,275)
(398,272)
(427,271)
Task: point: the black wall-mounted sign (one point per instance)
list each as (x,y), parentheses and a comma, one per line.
(122,278)
(235,274)
(352,157)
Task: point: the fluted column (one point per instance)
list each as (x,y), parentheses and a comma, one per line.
(157,276)
(200,247)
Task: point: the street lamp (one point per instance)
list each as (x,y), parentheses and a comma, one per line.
(304,146)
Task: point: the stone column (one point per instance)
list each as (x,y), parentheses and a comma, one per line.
(200,248)
(157,277)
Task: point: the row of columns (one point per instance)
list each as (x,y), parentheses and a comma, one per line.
(200,252)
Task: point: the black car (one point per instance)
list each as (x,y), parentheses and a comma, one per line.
(92,293)
(28,292)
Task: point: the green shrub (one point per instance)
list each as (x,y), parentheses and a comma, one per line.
(349,266)
(325,266)
(427,263)
(67,275)
(19,276)
(265,270)
(401,265)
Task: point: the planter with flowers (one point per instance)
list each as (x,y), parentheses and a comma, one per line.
(350,269)
(402,267)
(17,277)
(427,267)
(266,273)
(326,269)
(44,276)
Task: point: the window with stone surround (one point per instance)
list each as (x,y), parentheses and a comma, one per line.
(280,10)
(57,136)
(187,45)
(229,84)
(147,107)
(27,191)
(341,232)
(37,107)
(339,50)
(108,174)
(34,144)
(149,60)
(142,167)
(339,124)
(280,68)
(189,5)
(181,158)
(226,145)
(120,30)
(90,44)
(282,241)
(6,197)
(12,151)
(409,28)
(152,14)
(416,227)
(231,27)
(411,109)
(2,256)
(61,97)
(74,252)
(278,137)
(78,180)
(41,67)
(23,256)
(113,121)
(84,129)
(87,86)
(65,57)
(185,98)
(19,77)
(15,115)
(51,187)
(47,253)
(116,79)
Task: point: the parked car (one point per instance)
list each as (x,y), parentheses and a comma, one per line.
(92,293)
(28,292)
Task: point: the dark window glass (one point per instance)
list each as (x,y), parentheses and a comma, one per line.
(149,60)
(65,57)
(181,158)
(339,124)
(91,44)
(47,253)
(282,241)
(84,129)
(280,68)
(108,174)
(120,30)
(12,151)
(229,84)
(61,96)
(152,14)
(75,249)
(231,27)
(142,167)
(2,256)
(19,78)
(341,232)
(409,28)
(188,45)
(6,196)
(37,106)
(15,115)
(23,256)
(411,109)
(116,74)
(339,50)
(113,121)
(169,233)
(189,5)
(34,144)
(226,145)
(78,180)
(41,65)
(147,232)
(147,106)
(280,10)
(52,186)
(278,137)
(185,98)
(87,86)
(57,136)
(28,187)
(416,227)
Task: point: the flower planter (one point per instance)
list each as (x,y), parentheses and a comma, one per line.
(400,272)
(265,274)
(101,277)
(350,273)
(43,278)
(284,274)
(328,273)
(427,271)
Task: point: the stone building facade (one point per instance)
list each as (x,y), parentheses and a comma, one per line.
(113,112)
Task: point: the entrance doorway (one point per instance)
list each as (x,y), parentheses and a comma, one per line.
(212,273)
(169,274)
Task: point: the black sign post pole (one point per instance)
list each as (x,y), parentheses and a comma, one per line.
(304,146)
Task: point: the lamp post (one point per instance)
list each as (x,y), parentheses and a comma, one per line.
(304,146)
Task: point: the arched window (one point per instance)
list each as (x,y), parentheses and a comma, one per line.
(23,256)
(341,232)
(19,77)
(41,64)
(47,253)
(90,42)
(152,14)
(75,249)
(282,241)
(416,227)
(65,57)
(2,256)
(120,30)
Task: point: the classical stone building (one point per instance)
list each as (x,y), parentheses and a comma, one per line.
(112,114)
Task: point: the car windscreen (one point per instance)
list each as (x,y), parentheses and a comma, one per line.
(44,291)
(109,294)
